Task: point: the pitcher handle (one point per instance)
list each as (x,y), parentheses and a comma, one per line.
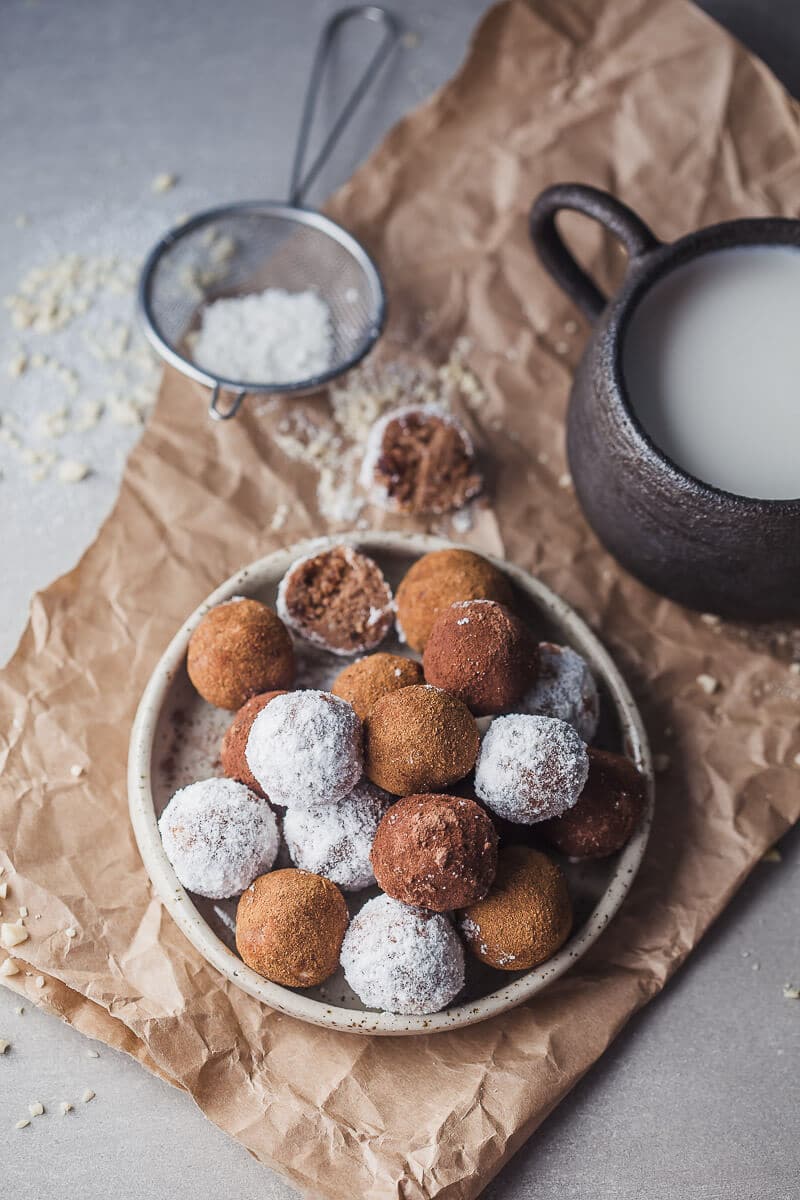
(557,259)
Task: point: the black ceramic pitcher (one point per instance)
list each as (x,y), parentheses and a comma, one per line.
(702,546)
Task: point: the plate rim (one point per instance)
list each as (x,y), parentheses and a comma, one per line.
(293,1003)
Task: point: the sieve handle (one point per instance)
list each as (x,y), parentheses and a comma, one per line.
(224,414)
(300,182)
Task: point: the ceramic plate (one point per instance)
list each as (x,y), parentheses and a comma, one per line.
(176,737)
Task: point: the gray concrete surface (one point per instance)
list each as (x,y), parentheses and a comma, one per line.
(699,1097)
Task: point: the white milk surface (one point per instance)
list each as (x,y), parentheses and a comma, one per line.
(711,361)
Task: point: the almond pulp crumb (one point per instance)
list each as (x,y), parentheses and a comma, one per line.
(40,981)
(279,517)
(92,1054)
(23,1124)
(790,992)
(708,684)
(71,471)
(661,763)
(87,1096)
(19,1010)
(18,365)
(3,890)
(23,912)
(772,856)
(164,182)
(565,480)
(76,770)
(4,1045)
(65,1107)
(709,619)
(36,1109)
(12,934)
(71,931)
(9,968)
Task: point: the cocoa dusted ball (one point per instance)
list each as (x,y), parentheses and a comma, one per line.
(289,927)
(420,460)
(367,679)
(607,811)
(338,599)
(419,739)
(440,579)
(435,852)
(526,916)
(479,651)
(231,753)
(240,648)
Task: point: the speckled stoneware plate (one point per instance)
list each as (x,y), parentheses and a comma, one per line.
(176,737)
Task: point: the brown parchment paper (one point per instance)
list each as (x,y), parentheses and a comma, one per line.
(651,99)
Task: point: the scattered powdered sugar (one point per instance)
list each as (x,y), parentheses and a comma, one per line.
(332,443)
(564,688)
(306,748)
(530,768)
(272,336)
(402,959)
(335,840)
(218,836)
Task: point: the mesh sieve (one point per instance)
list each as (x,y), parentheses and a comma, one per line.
(236,249)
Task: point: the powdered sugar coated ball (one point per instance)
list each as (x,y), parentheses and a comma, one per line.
(306,748)
(530,768)
(564,688)
(219,836)
(335,840)
(402,959)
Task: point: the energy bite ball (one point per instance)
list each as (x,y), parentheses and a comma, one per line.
(530,768)
(401,959)
(437,852)
(240,648)
(420,460)
(440,579)
(335,840)
(338,599)
(608,809)
(564,688)
(366,680)
(218,837)
(289,927)
(479,651)
(306,748)
(231,753)
(526,917)
(419,739)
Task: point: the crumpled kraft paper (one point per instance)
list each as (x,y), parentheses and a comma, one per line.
(650,99)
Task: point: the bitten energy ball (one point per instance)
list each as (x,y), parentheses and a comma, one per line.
(608,809)
(437,852)
(479,651)
(420,460)
(306,748)
(526,917)
(365,681)
(440,579)
(401,959)
(530,768)
(564,688)
(240,648)
(419,739)
(335,840)
(289,927)
(338,599)
(218,837)
(231,753)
